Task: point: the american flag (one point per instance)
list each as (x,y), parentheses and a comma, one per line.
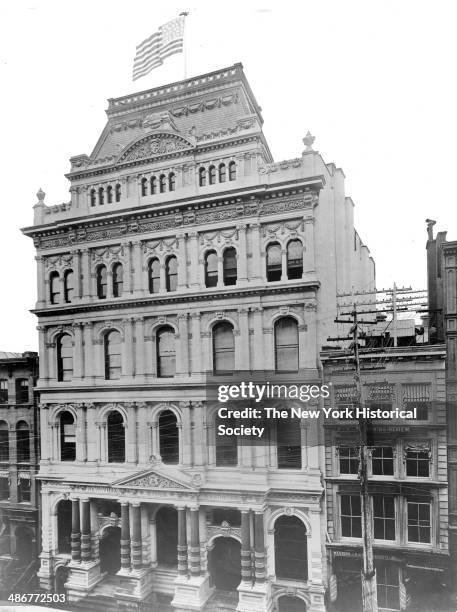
(168,40)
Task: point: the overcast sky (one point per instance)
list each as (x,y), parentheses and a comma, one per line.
(374,81)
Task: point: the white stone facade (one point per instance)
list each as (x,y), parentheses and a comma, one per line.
(171,137)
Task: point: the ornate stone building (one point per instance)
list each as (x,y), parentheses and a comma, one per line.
(407,479)
(186,253)
(19,452)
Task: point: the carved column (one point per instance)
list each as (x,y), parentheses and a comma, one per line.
(81,444)
(41,296)
(78,350)
(92,447)
(131,433)
(194,542)
(184,344)
(150,356)
(137,269)
(246,569)
(86,276)
(51,354)
(257,272)
(259,548)
(197,365)
(125,535)
(153,542)
(77,274)
(88,352)
(85,530)
(128,268)
(44,433)
(182,262)
(109,280)
(139,347)
(182,542)
(283,264)
(98,364)
(43,363)
(163,280)
(242,254)
(194,263)
(243,341)
(137,561)
(127,348)
(75,531)
(309,264)
(186,431)
(259,362)
(220,272)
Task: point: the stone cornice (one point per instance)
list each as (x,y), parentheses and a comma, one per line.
(299,196)
(168,298)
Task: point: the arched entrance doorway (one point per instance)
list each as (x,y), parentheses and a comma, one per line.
(110,550)
(225,564)
(24,545)
(286,603)
(167,536)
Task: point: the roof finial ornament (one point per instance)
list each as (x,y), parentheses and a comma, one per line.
(308,141)
(430,223)
(40,195)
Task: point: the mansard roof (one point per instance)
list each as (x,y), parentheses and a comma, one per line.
(212,106)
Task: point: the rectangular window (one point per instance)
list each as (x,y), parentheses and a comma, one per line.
(382,461)
(23,490)
(419,521)
(351,516)
(384,517)
(22,391)
(417,463)
(349,459)
(3,391)
(388,586)
(4,488)
(380,396)
(417,396)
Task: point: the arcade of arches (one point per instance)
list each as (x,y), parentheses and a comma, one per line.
(235,541)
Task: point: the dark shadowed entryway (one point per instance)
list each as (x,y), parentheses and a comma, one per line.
(225,564)
(110,550)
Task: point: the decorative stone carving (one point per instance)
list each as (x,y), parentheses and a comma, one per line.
(155,146)
(160,121)
(151,481)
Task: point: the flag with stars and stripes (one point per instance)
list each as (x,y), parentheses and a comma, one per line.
(168,40)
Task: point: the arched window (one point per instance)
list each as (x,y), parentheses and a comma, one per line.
(223,348)
(288,443)
(68,286)
(294,259)
(168,437)
(4,442)
(222,173)
(112,342)
(274,262)
(118,280)
(286,345)
(93,197)
(101,196)
(67,437)
(166,354)
(291,558)
(116,437)
(102,282)
(154,275)
(212,175)
(162,183)
(3,390)
(23,442)
(22,391)
(54,288)
(118,192)
(232,171)
(144,186)
(171,181)
(202,177)
(64,526)
(171,273)
(211,269)
(230,266)
(109,194)
(153,184)
(64,357)
(226,446)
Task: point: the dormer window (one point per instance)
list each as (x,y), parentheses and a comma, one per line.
(202,177)
(232,171)
(118,192)
(171,181)
(144,187)
(101,196)
(93,197)
(109,194)
(212,175)
(222,173)
(162,183)
(153,185)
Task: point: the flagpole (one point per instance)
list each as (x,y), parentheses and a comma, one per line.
(184,14)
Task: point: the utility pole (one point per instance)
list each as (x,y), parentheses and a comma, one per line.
(369,590)
(368,577)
